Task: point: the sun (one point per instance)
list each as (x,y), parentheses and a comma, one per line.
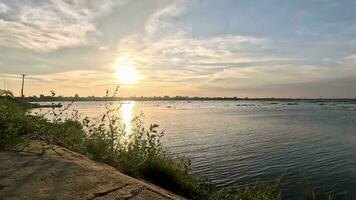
(126,74)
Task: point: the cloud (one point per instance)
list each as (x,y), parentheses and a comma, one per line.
(3,8)
(350,60)
(183,58)
(50,25)
(170,53)
(158,21)
(280,79)
(62,83)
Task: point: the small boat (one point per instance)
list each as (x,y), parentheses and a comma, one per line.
(292,104)
(53,105)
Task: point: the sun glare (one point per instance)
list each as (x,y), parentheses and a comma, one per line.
(126,74)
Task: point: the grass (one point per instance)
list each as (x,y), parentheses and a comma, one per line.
(258,191)
(140,155)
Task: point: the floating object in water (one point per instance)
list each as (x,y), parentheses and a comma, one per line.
(292,104)
(245,105)
(53,105)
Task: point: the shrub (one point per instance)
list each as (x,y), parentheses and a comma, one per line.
(13,124)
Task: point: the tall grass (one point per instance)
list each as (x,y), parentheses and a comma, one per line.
(259,191)
(139,153)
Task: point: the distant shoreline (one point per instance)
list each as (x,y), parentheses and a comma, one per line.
(47,99)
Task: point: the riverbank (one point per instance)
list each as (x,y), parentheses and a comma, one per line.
(64,174)
(139,154)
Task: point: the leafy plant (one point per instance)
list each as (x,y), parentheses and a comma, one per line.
(13,125)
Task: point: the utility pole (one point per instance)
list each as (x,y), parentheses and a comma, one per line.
(23,82)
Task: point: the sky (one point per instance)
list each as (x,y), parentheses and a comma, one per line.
(243,48)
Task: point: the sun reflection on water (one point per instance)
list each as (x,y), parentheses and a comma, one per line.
(127,115)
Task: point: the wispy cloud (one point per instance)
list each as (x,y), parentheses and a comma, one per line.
(3,8)
(49,25)
(350,60)
(63,82)
(157,22)
(170,53)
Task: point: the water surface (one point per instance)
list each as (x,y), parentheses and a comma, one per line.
(236,142)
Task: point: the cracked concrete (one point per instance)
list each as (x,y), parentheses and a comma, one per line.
(30,175)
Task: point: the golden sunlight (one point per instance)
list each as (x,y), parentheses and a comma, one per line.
(127,115)
(126,73)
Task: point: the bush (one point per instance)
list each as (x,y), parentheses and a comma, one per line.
(13,125)
(140,153)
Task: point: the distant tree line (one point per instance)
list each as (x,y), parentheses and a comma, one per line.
(76,97)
